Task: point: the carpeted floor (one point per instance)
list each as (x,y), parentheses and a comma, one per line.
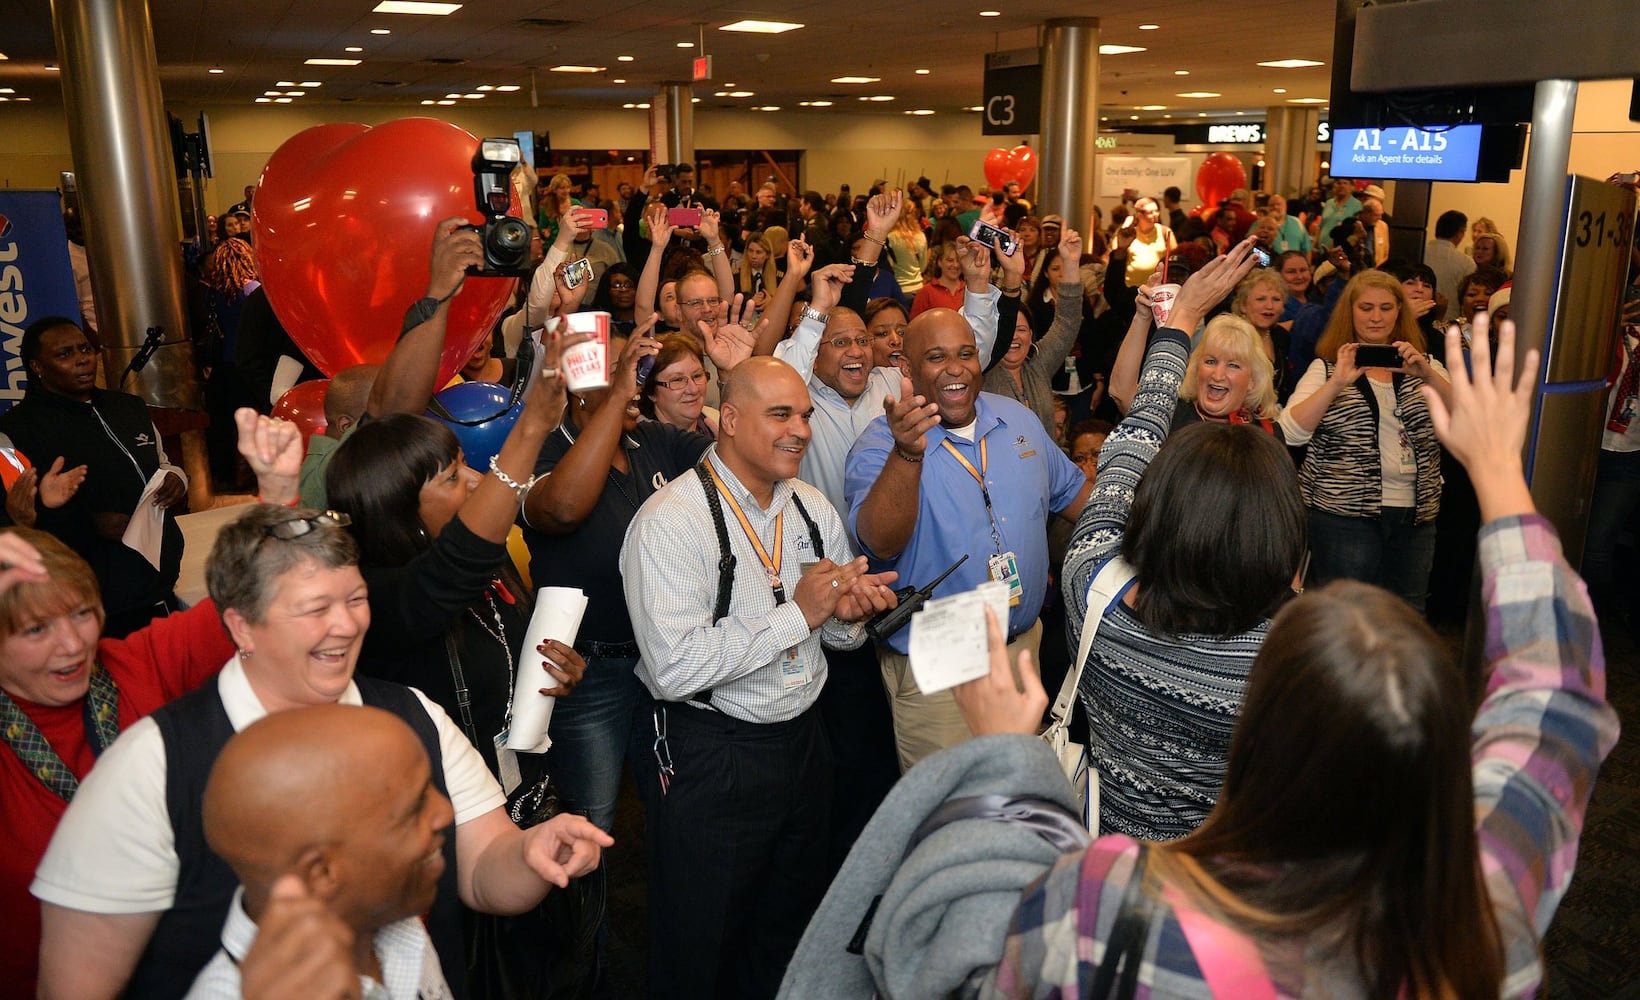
(1593,947)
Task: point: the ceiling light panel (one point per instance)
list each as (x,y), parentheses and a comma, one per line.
(415,7)
(757,27)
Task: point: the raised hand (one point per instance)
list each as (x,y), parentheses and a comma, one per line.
(1070,250)
(799,257)
(975,259)
(455,248)
(910,418)
(569,299)
(710,223)
(1208,287)
(728,341)
(826,285)
(883,211)
(624,379)
(1485,425)
(660,231)
(274,450)
(58,487)
(1013,267)
(20,562)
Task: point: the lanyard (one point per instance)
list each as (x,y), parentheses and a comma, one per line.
(979,477)
(771,565)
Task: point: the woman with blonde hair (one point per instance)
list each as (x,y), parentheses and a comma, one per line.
(1371,478)
(1229,378)
(555,201)
(943,284)
(758,275)
(908,246)
(1262,299)
(1492,250)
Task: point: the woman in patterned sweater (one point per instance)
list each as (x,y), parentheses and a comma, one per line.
(1214,529)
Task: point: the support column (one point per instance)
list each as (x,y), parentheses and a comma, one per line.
(118,135)
(672,124)
(1070,119)
(1541,209)
(1289,148)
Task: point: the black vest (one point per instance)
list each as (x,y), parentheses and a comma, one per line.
(195,728)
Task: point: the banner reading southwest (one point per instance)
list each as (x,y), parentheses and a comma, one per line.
(35,277)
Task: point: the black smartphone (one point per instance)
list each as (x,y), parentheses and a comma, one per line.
(1377,356)
(1261,256)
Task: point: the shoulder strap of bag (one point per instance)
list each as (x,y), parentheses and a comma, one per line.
(1113,580)
(726,557)
(1125,948)
(464,698)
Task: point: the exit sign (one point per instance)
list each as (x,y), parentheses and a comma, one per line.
(703,68)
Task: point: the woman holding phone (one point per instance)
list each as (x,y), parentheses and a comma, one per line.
(1371,479)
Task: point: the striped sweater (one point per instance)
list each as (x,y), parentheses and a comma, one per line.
(1160,708)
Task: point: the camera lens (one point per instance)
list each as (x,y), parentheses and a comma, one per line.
(509,243)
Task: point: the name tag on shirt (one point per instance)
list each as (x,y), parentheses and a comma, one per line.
(1005,570)
(794,670)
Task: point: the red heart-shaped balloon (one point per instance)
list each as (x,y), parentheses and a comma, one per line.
(344,221)
(1022,164)
(998,168)
(303,404)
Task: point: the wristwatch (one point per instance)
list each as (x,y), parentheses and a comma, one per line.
(809,312)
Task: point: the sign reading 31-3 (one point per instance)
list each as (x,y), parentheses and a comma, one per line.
(1013,93)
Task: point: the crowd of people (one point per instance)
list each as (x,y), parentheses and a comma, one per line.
(814,405)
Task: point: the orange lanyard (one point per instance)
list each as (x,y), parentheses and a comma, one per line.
(771,565)
(979,477)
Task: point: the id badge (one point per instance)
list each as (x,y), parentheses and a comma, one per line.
(1005,569)
(1409,462)
(794,672)
(507,761)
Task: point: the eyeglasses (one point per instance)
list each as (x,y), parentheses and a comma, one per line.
(842,343)
(678,383)
(621,286)
(297,527)
(711,303)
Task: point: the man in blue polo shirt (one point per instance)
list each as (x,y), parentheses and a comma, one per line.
(950,471)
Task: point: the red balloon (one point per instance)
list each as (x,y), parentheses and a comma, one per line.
(303,404)
(1024,164)
(1219,177)
(998,167)
(344,220)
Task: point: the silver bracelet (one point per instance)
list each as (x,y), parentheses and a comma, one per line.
(522,489)
(713,251)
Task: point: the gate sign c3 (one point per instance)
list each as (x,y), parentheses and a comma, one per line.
(1013,93)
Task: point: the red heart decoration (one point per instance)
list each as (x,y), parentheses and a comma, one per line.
(344,220)
(998,168)
(1023,161)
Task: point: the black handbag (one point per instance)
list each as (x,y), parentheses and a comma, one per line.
(548,952)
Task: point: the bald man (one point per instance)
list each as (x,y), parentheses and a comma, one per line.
(340,798)
(345,403)
(950,471)
(740,792)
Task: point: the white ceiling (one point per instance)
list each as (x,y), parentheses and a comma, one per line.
(492,42)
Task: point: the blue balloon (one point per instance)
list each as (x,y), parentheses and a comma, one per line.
(481,414)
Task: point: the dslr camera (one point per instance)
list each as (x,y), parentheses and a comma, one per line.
(505,238)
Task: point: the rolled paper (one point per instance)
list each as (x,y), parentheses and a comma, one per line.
(558,612)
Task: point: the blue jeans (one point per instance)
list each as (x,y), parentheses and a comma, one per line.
(1611,511)
(1389,551)
(593,732)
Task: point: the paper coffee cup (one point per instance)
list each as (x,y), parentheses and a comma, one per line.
(1161,302)
(586,366)
(558,612)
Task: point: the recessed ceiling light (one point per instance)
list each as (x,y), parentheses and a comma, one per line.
(52,67)
(1201,114)
(295,93)
(856,79)
(4,99)
(629,105)
(474,97)
(484,87)
(285,83)
(686,45)
(1149,27)
(1290,63)
(740,93)
(761,27)
(446,103)
(1152,107)
(264,100)
(878,98)
(4,56)
(381,31)
(1118,50)
(272,93)
(975,107)
(1104,119)
(814,104)
(1241,112)
(1200,93)
(625,58)
(572,68)
(617,81)
(281,100)
(923,72)
(643,105)
(310,83)
(451,97)
(429,101)
(354,48)
(414,7)
(334,62)
(990,13)
(720,93)
(694,100)
(216,69)
(1306,100)
(1279,90)
(921,112)
(7,90)
(1181,72)
(767,107)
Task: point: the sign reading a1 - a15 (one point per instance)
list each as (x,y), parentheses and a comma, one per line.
(1013,93)
(1408,154)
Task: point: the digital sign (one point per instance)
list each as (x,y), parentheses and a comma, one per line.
(1408,154)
